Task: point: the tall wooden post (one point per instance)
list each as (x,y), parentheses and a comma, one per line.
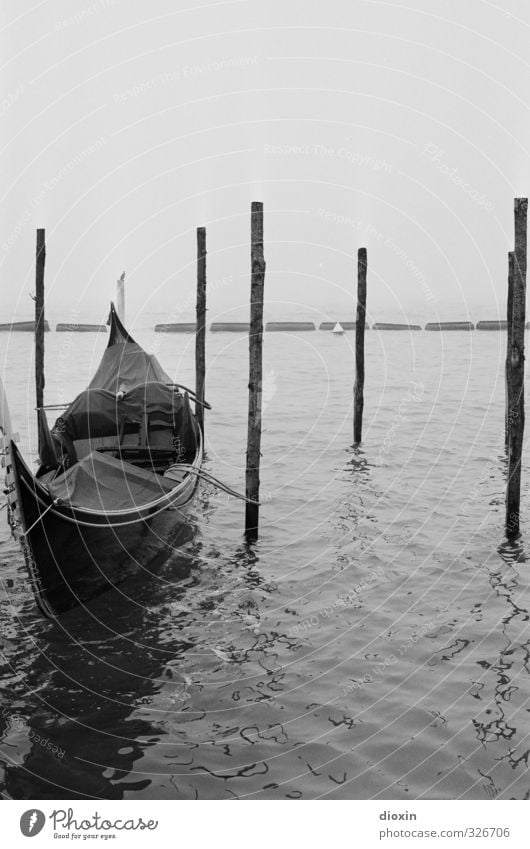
(39,316)
(509,328)
(120,297)
(358,391)
(200,328)
(516,371)
(255,371)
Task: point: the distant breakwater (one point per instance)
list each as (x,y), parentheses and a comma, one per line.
(270,326)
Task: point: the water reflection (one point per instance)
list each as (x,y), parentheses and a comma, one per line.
(504,679)
(512,551)
(158,688)
(77,684)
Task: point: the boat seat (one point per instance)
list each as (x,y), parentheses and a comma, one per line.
(130,437)
(148,443)
(144,446)
(83,447)
(109,444)
(149,433)
(161,437)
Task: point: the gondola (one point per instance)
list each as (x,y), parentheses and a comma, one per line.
(125,451)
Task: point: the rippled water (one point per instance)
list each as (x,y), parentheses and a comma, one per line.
(373,644)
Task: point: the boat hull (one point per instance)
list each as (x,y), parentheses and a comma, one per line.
(72,555)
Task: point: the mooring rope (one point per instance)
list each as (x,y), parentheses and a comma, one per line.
(40,517)
(192,395)
(209,478)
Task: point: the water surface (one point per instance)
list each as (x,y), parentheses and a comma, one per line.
(373,644)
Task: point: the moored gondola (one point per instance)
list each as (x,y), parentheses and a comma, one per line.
(123,453)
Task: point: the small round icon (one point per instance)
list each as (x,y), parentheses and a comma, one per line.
(32,822)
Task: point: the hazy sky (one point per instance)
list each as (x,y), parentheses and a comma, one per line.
(402,127)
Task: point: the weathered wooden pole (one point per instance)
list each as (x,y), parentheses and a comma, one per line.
(200,328)
(120,297)
(39,316)
(255,371)
(358,391)
(509,326)
(516,371)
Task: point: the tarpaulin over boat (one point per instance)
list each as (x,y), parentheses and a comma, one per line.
(97,412)
(125,365)
(101,482)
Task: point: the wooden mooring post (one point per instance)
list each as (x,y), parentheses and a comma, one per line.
(509,326)
(200,328)
(358,391)
(255,371)
(515,371)
(39,316)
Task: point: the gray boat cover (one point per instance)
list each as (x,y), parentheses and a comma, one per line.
(101,482)
(130,394)
(99,413)
(125,365)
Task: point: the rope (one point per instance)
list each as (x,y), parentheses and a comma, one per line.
(190,392)
(40,518)
(208,478)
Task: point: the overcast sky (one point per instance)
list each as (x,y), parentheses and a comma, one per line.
(402,127)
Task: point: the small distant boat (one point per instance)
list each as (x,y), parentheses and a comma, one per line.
(338,328)
(127,449)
